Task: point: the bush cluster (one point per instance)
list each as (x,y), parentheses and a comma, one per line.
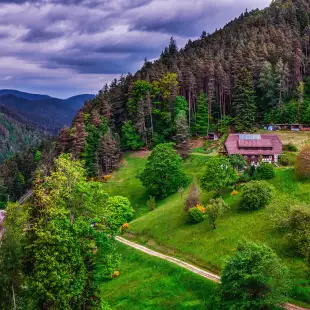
(284,161)
(264,171)
(195,216)
(290,147)
(255,195)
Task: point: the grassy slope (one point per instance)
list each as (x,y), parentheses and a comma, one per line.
(147,282)
(166,229)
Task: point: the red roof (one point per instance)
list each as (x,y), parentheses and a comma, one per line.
(259,144)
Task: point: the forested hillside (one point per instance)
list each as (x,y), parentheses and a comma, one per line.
(254,70)
(48,113)
(17,134)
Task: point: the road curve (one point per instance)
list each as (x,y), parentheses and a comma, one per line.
(208,275)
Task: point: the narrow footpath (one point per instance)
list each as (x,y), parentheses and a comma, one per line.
(201,272)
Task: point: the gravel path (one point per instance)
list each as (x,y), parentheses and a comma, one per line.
(194,269)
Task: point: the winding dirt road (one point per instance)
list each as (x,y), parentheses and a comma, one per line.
(194,269)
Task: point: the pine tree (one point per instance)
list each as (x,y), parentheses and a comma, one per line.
(108,153)
(244,102)
(63,141)
(78,136)
(182,135)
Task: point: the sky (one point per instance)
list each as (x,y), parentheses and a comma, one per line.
(68,47)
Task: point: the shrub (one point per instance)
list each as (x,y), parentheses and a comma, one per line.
(192,199)
(151,203)
(195,216)
(254,278)
(237,161)
(244,178)
(284,160)
(264,171)
(290,147)
(215,209)
(299,224)
(255,195)
(302,166)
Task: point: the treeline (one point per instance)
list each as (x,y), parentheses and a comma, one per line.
(17,134)
(17,173)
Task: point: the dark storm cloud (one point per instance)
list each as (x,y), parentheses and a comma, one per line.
(72,46)
(40,35)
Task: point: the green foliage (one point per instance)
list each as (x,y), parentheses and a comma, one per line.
(16,135)
(11,253)
(195,216)
(68,250)
(254,278)
(118,211)
(268,85)
(37,156)
(264,171)
(218,174)
(302,166)
(164,87)
(225,124)
(151,203)
(130,138)
(256,195)
(299,225)
(216,208)
(164,128)
(141,89)
(163,174)
(180,105)
(94,133)
(237,161)
(244,102)
(182,135)
(200,122)
(284,160)
(290,147)
(285,114)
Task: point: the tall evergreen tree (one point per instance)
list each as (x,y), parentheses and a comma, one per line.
(108,153)
(182,135)
(244,102)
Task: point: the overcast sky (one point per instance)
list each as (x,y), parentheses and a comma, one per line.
(67,47)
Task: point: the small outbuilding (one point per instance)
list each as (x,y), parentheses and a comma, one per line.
(212,136)
(254,147)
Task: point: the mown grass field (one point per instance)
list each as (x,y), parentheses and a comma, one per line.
(299,139)
(166,229)
(147,282)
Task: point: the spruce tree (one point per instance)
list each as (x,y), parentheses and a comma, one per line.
(182,135)
(108,153)
(244,102)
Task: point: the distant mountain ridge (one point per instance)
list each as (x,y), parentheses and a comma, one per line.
(47,113)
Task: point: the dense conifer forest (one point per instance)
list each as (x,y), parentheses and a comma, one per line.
(17,134)
(59,248)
